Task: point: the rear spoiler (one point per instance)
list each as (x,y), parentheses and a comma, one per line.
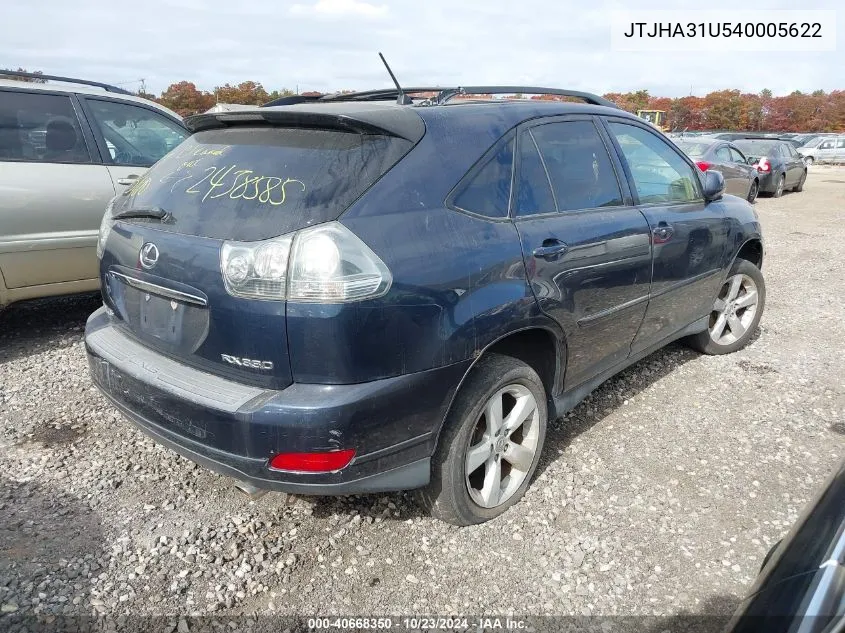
(398,122)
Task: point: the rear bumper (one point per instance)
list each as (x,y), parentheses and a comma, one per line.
(234,429)
(768,182)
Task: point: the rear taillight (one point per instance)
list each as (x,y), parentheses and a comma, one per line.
(703,165)
(327,462)
(105,228)
(764,165)
(322,264)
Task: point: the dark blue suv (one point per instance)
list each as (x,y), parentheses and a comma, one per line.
(352,295)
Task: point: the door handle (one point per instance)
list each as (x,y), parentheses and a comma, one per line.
(663,232)
(551,249)
(128,180)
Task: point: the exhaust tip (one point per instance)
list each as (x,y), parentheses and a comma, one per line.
(250,491)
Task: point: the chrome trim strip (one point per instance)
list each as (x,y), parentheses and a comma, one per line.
(155,289)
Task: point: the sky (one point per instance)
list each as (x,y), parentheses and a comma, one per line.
(328,45)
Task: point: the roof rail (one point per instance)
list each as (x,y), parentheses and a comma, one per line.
(445,94)
(83,82)
(449,93)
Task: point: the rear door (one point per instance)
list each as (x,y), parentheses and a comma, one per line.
(746,171)
(794,164)
(131,137)
(734,179)
(586,246)
(688,235)
(52,190)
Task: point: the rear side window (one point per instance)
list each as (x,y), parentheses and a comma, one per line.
(723,154)
(578,165)
(253,183)
(736,156)
(533,190)
(40,128)
(488,191)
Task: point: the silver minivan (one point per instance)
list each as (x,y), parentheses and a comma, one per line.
(65,151)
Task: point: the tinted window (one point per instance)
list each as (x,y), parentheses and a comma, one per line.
(247,183)
(40,127)
(736,156)
(579,167)
(660,174)
(488,191)
(724,154)
(135,135)
(840,142)
(533,191)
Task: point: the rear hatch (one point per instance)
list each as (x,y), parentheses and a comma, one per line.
(241,179)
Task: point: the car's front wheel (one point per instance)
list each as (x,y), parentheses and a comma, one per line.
(736,313)
(808,160)
(490,445)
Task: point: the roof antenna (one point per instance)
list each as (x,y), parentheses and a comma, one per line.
(402,99)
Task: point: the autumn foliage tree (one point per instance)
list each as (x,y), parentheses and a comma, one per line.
(185,99)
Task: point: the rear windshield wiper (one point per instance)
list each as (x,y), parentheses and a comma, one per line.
(155,213)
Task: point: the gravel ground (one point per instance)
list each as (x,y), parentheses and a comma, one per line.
(660,494)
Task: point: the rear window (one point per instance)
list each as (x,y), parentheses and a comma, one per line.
(255,183)
(692,149)
(758,148)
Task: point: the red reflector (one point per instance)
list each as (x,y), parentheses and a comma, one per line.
(313,462)
(764,165)
(703,165)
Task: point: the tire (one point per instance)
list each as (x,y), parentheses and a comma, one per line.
(779,188)
(800,185)
(739,313)
(809,160)
(753,191)
(448,496)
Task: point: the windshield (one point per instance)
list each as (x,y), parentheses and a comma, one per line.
(253,183)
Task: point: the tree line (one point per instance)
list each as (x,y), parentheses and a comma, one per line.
(818,111)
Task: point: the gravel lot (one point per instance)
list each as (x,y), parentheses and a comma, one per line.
(660,494)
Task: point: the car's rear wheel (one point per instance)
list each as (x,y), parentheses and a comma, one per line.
(736,312)
(490,444)
(800,185)
(779,188)
(753,191)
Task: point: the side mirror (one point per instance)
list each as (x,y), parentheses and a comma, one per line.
(714,185)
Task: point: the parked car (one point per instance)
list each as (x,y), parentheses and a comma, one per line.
(350,296)
(827,148)
(741,179)
(801,586)
(778,164)
(66,148)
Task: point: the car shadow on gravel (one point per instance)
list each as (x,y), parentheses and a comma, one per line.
(51,545)
(31,326)
(711,616)
(610,396)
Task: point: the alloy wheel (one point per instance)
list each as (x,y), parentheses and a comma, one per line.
(779,191)
(502,446)
(734,309)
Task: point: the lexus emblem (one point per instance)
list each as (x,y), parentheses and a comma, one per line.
(148,255)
